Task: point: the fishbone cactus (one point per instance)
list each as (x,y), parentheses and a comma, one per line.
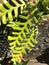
(24,33)
(23,18)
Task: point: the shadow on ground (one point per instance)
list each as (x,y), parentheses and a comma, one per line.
(44,58)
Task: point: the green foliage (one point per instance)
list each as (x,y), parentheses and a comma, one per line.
(24,33)
(45,3)
(22,63)
(8,11)
(23,19)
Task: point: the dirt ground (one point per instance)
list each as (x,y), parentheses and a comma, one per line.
(33,63)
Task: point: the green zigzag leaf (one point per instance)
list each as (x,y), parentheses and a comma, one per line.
(9,10)
(24,33)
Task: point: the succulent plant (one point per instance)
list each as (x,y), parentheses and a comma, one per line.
(23,18)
